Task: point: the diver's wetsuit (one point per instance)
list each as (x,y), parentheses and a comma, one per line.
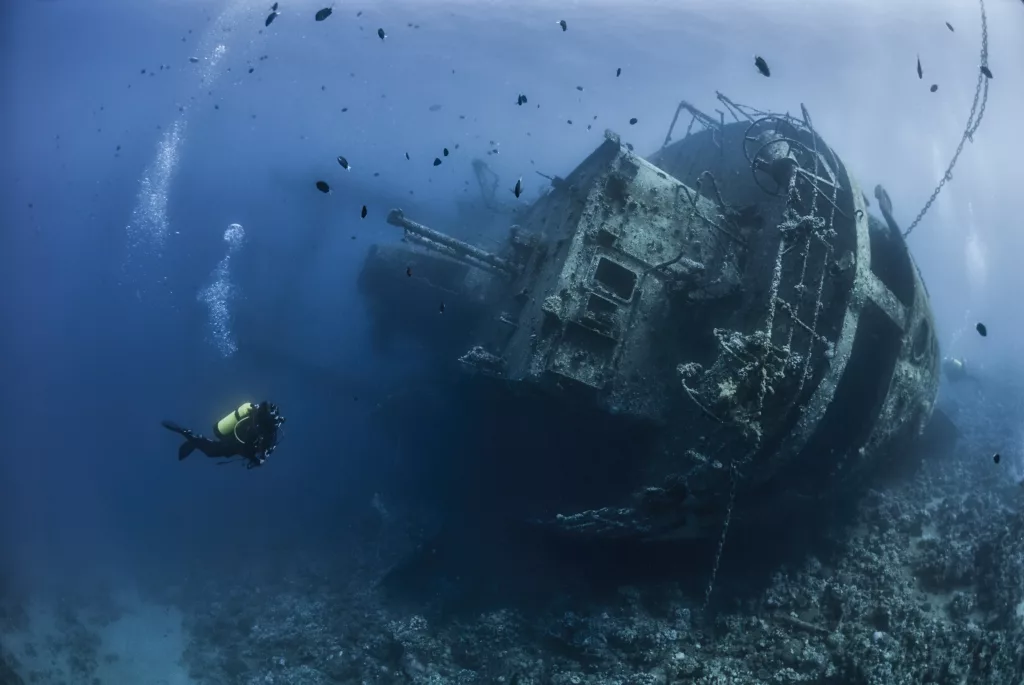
(211,448)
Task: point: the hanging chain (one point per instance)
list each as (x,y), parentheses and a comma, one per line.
(973,121)
(733,477)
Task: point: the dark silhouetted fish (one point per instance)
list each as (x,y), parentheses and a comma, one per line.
(323,187)
(323,14)
(762,66)
(270,19)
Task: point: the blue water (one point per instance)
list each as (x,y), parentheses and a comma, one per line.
(124,304)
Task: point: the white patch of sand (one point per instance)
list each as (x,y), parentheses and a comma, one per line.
(142,645)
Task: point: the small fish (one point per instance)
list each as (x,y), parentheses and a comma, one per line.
(193,60)
(985,70)
(518,190)
(579,88)
(521,100)
(995,457)
(381,34)
(982,331)
(442,308)
(407,155)
(762,66)
(143,71)
(359,13)
(270,19)
(344,163)
(273,8)
(618,72)
(435,108)
(362,214)
(437,161)
(934,87)
(323,187)
(569,121)
(561,22)
(949,26)
(632,121)
(920,71)
(408,271)
(324,13)
(251,69)
(446,152)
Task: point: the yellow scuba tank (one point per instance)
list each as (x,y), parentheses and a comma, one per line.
(228,425)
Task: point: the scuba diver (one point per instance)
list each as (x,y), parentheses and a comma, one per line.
(251,432)
(956,370)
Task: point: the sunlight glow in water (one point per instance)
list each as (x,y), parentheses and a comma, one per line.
(217,296)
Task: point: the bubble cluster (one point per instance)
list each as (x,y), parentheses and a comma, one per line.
(218,295)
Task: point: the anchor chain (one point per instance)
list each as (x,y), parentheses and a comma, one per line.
(973,122)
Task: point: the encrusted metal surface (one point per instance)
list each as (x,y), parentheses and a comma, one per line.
(731,292)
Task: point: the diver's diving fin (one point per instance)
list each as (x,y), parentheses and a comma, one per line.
(171,426)
(186,449)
